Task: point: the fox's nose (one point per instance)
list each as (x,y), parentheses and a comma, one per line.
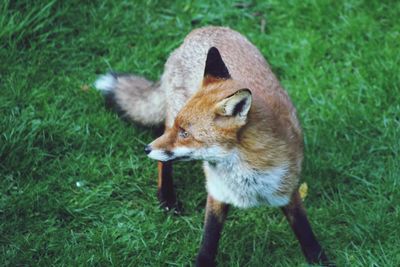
(147,149)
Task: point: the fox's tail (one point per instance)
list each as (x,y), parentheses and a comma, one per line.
(135,97)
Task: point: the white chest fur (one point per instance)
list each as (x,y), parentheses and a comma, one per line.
(231,181)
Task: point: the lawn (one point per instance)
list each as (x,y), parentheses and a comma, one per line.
(76,188)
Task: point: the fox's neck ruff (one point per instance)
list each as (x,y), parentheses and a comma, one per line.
(232,180)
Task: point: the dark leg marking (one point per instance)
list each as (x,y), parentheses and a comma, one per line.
(166,193)
(214,220)
(296,215)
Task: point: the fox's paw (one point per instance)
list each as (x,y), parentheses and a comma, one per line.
(316,256)
(169,203)
(205,261)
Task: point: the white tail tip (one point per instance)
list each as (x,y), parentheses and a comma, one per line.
(105,83)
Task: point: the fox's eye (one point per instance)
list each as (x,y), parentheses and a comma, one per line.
(183,133)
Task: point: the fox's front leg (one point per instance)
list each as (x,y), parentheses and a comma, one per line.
(296,215)
(166,193)
(214,220)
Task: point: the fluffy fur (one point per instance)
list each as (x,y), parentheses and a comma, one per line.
(139,99)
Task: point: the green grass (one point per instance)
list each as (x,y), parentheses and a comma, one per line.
(339,60)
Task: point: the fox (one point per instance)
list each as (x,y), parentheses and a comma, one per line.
(220,103)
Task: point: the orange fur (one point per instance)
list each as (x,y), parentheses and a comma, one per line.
(271,137)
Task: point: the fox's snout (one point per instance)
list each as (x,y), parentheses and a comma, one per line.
(147,149)
(162,149)
(167,155)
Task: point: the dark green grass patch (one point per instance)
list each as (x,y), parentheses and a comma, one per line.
(76,189)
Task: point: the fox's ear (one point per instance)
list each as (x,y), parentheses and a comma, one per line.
(236,105)
(215,66)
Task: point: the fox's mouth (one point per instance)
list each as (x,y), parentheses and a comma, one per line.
(181,158)
(168,155)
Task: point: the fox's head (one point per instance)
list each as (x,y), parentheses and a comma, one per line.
(207,127)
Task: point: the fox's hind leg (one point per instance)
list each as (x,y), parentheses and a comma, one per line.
(166,192)
(296,215)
